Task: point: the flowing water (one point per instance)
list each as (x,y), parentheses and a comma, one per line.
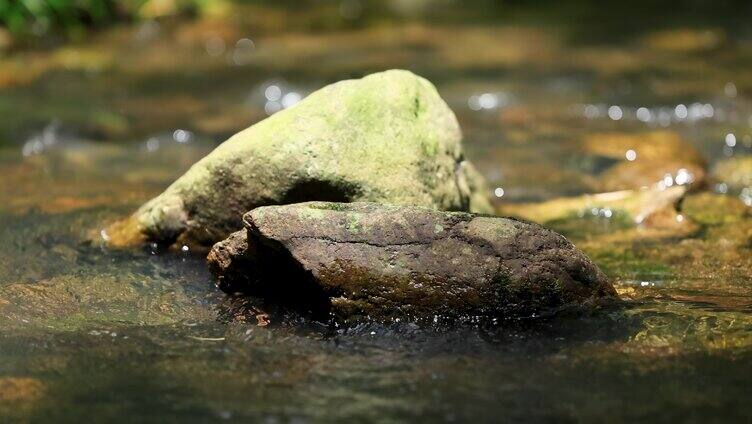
(92,129)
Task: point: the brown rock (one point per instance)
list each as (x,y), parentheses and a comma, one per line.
(660,157)
(386,262)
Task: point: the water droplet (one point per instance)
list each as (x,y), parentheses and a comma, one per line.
(730,140)
(680,111)
(290,99)
(643,114)
(615,113)
(273,93)
(152,144)
(182,136)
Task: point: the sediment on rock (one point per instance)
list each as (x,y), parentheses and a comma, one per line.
(383,262)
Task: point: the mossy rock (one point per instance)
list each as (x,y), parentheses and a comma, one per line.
(388,138)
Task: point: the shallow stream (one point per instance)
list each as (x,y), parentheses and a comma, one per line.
(92,129)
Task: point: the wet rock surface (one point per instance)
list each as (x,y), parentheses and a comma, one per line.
(736,173)
(387,138)
(644,159)
(385,262)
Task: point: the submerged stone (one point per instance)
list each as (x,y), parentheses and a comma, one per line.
(20,389)
(735,173)
(654,207)
(387,262)
(646,159)
(388,137)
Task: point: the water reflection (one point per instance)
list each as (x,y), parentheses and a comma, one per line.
(276,95)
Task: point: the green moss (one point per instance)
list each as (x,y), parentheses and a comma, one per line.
(625,263)
(354,224)
(714,209)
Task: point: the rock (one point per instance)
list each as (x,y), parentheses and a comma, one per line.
(387,262)
(736,173)
(657,157)
(684,40)
(386,138)
(20,389)
(647,206)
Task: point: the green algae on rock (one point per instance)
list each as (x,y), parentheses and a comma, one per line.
(403,262)
(388,137)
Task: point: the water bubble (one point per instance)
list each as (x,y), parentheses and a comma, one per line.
(182,136)
(185,248)
(26,150)
(666,181)
(473,103)
(499,192)
(245,43)
(615,113)
(683,177)
(746,196)
(272,107)
(487,101)
(214,45)
(290,99)
(643,114)
(681,112)
(631,155)
(46,138)
(591,112)
(730,140)
(273,93)
(152,144)
(243,51)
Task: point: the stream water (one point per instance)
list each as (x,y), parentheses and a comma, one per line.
(92,129)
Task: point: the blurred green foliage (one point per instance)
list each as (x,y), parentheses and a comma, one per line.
(585,19)
(39,17)
(72,17)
